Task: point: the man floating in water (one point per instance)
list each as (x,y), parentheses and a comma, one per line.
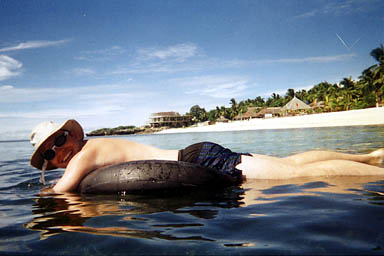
(63,146)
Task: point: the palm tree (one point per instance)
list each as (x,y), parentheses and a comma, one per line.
(275,100)
(212,115)
(220,111)
(234,110)
(290,93)
(319,92)
(368,95)
(331,97)
(242,107)
(378,73)
(198,114)
(259,102)
(233,104)
(373,77)
(378,54)
(349,92)
(303,95)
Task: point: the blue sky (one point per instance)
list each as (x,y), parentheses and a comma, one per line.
(110,63)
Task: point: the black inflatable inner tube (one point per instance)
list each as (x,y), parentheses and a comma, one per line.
(152,175)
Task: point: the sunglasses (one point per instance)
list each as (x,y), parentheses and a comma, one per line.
(49,154)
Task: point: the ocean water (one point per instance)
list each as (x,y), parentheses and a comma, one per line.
(343,215)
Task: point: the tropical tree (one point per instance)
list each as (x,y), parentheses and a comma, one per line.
(258,102)
(234,105)
(228,113)
(369,98)
(378,54)
(319,91)
(290,94)
(332,97)
(242,107)
(234,110)
(198,114)
(220,111)
(349,92)
(377,73)
(303,95)
(372,78)
(212,115)
(275,100)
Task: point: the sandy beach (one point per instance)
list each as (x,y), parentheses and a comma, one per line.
(369,116)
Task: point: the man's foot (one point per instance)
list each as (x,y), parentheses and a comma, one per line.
(377,157)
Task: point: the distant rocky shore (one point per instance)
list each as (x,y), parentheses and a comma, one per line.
(123,130)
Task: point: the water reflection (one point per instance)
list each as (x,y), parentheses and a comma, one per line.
(129,215)
(165,217)
(264,191)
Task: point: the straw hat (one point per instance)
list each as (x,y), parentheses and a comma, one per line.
(44,131)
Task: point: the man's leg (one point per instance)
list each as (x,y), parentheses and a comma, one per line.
(266,167)
(374,158)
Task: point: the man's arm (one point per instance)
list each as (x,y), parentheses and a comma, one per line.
(78,167)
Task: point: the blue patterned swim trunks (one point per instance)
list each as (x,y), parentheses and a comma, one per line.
(212,155)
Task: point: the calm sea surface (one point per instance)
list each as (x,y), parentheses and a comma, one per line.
(301,216)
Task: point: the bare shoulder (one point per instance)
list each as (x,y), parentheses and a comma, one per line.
(118,142)
(102,142)
(114,150)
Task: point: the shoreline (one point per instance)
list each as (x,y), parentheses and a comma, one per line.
(359,117)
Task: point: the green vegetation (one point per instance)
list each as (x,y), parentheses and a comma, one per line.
(368,91)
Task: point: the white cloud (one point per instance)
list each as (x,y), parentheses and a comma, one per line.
(102,54)
(314,59)
(158,67)
(10,94)
(83,71)
(6,87)
(62,113)
(180,52)
(106,105)
(54,103)
(213,86)
(9,67)
(33,44)
(224,90)
(113,50)
(200,64)
(115,92)
(341,7)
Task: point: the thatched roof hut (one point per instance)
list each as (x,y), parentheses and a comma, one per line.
(317,104)
(295,104)
(251,113)
(269,112)
(222,119)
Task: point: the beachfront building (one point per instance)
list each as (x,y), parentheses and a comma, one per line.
(252,112)
(295,106)
(170,119)
(317,106)
(222,119)
(269,112)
